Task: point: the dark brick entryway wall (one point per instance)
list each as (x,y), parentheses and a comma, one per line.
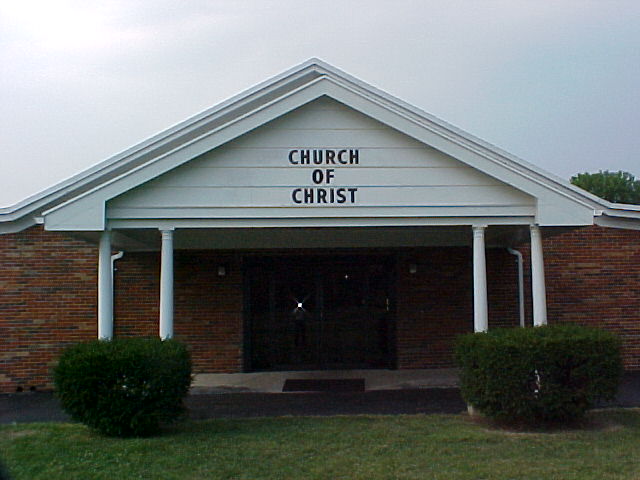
(435,304)
(429,316)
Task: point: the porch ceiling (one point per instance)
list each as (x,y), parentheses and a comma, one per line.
(314,237)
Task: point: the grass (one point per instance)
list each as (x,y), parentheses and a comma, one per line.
(349,447)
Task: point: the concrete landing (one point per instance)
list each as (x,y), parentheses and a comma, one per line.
(272,382)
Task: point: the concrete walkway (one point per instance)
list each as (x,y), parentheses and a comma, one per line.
(374,379)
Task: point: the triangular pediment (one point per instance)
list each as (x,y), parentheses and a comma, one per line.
(321,158)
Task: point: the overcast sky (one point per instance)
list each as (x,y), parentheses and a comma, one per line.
(555,82)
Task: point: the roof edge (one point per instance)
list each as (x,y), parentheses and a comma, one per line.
(69,186)
(309,70)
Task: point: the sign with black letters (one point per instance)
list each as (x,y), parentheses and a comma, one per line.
(321,190)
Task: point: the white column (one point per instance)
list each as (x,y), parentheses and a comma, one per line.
(105,288)
(538,289)
(480,309)
(166,285)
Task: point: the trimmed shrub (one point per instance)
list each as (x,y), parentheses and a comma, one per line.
(124,387)
(550,374)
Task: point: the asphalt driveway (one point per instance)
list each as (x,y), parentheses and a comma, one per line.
(40,407)
(44,407)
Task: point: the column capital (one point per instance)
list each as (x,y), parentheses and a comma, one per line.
(167,233)
(478,231)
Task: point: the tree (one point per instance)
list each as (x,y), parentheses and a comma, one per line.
(617,187)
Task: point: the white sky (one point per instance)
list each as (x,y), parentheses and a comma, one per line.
(555,82)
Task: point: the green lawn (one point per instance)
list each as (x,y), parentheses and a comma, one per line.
(355,447)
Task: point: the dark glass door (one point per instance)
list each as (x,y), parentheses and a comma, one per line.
(319,312)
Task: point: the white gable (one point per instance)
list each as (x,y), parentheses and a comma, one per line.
(322,159)
(229,166)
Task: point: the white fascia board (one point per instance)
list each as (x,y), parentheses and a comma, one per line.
(631,208)
(17,225)
(620,215)
(618,222)
(80,216)
(623,210)
(617,215)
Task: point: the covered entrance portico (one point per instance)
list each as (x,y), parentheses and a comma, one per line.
(315,222)
(357,287)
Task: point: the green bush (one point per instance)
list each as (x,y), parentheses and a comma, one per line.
(124,387)
(550,374)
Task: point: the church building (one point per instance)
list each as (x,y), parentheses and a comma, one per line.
(312,223)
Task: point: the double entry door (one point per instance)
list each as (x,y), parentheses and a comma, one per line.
(319,312)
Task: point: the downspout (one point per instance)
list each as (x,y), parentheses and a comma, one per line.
(518,256)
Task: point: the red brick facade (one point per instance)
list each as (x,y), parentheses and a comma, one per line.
(47,301)
(593,278)
(48,298)
(208,307)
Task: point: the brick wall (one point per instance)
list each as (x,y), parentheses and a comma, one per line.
(593,278)
(47,301)
(136,296)
(435,304)
(428,316)
(502,288)
(207,307)
(209,310)
(48,298)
